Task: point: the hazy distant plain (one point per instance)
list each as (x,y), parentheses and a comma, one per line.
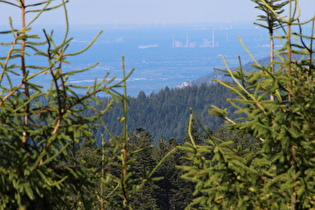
(162,55)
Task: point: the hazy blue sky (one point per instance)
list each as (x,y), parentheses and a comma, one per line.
(154,11)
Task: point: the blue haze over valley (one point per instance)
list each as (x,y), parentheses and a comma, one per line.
(163,40)
(162,55)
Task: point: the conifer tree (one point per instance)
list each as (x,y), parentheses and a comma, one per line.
(271,9)
(41,129)
(281,174)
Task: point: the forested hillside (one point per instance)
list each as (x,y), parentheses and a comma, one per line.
(165,114)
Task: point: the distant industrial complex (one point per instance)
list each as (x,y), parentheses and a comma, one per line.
(189,44)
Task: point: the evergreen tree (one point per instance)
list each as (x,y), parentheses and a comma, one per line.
(42,129)
(173,192)
(144,162)
(272,10)
(280,175)
(165,114)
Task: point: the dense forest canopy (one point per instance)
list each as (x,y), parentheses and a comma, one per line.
(165,114)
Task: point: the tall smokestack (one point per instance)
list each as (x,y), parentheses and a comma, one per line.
(212,37)
(187,40)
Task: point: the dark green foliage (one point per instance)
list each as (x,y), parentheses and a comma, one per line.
(48,153)
(174,192)
(129,172)
(142,140)
(42,131)
(241,141)
(279,173)
(195,133)
(165,114)
(169,191)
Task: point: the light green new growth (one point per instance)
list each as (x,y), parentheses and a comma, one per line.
(42,130)
(277,106)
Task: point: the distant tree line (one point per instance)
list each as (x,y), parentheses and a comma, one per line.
(165,114)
